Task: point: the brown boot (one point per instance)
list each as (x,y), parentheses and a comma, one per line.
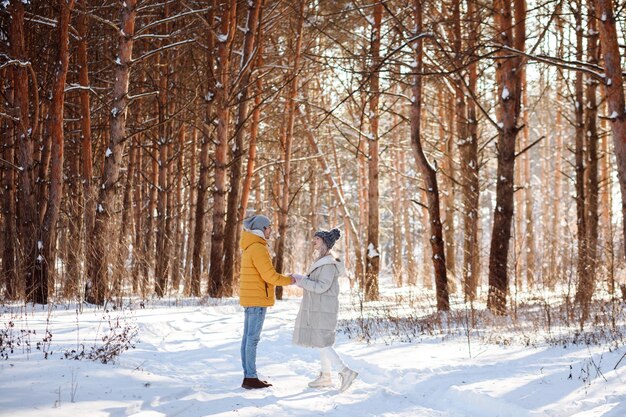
(254,383)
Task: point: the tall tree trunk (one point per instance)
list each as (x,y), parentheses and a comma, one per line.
(97,261)
(191,223)
(448,181)
(203,180)
(290,111)
(162,254)
(73,254)
(428,172)
(529,229)
(127,222)
(470,187)
(46,244)
(177,268)
(592,139)
(8,275)
(232,219)
(372,266)
(614,92)
(579,152)
(138,199)
(24,134)
(409,236)
(509,98)
(397,265)
(226,34)
(89,200)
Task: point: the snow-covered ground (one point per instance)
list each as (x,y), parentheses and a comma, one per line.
(186,363)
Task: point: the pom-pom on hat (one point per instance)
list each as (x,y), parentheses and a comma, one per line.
(257,222)
(329,237)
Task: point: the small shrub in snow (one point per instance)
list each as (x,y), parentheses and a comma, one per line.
(119,338)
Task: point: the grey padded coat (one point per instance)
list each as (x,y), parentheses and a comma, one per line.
(317,317)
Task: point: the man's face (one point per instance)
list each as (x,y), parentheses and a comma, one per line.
(267,232)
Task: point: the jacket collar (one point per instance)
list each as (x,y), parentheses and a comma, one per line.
(248,238)
(326,260)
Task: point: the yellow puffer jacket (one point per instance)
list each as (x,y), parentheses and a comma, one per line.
(258,276)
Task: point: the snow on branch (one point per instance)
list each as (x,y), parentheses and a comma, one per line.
(156,51)
(142,95)
(171,18)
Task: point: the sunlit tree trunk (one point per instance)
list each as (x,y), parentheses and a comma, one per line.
(470,187)
(372,266)
(89,201)
(592,141)
(203,160)
(613,91)
(8,274)
(226,33)
(579,152)
(429,174)
(509,98)
(191,222)
(163,237)
(24,135)
(97,261)
(290,112)
(233,219)
(447,134)
(46,245)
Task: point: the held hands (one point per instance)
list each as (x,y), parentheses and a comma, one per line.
(297,278)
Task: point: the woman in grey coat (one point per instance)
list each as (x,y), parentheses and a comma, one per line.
(317,317)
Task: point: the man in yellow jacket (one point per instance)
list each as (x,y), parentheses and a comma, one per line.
(256,292)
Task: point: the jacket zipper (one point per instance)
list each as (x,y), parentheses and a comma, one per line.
(266,293)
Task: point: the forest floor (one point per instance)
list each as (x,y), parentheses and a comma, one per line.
(185,362)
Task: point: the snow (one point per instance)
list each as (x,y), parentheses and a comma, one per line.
(614,115)
(505,93)
(603,18)
(186,363)
(108,153)
(371,251)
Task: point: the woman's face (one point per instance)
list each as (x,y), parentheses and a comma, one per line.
(317,242)
(267,232)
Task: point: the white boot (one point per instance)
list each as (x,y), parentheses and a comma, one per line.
(324,379)
(347,376)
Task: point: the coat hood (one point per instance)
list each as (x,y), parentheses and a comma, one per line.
(248,238)
(328,260)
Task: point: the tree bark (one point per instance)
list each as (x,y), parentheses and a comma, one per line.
(613,90)
(97,261)
(372,266)
(9,276)
(162,254)
(290,111)
(592,141)
(469,175)
(24,133)
(233,219)
(226,34)
(509,95)
(428,172)
(46,244)
(203,180)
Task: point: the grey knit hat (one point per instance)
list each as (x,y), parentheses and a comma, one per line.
(329,237)
(258,222)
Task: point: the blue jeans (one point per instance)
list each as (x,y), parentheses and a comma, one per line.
(252,326)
